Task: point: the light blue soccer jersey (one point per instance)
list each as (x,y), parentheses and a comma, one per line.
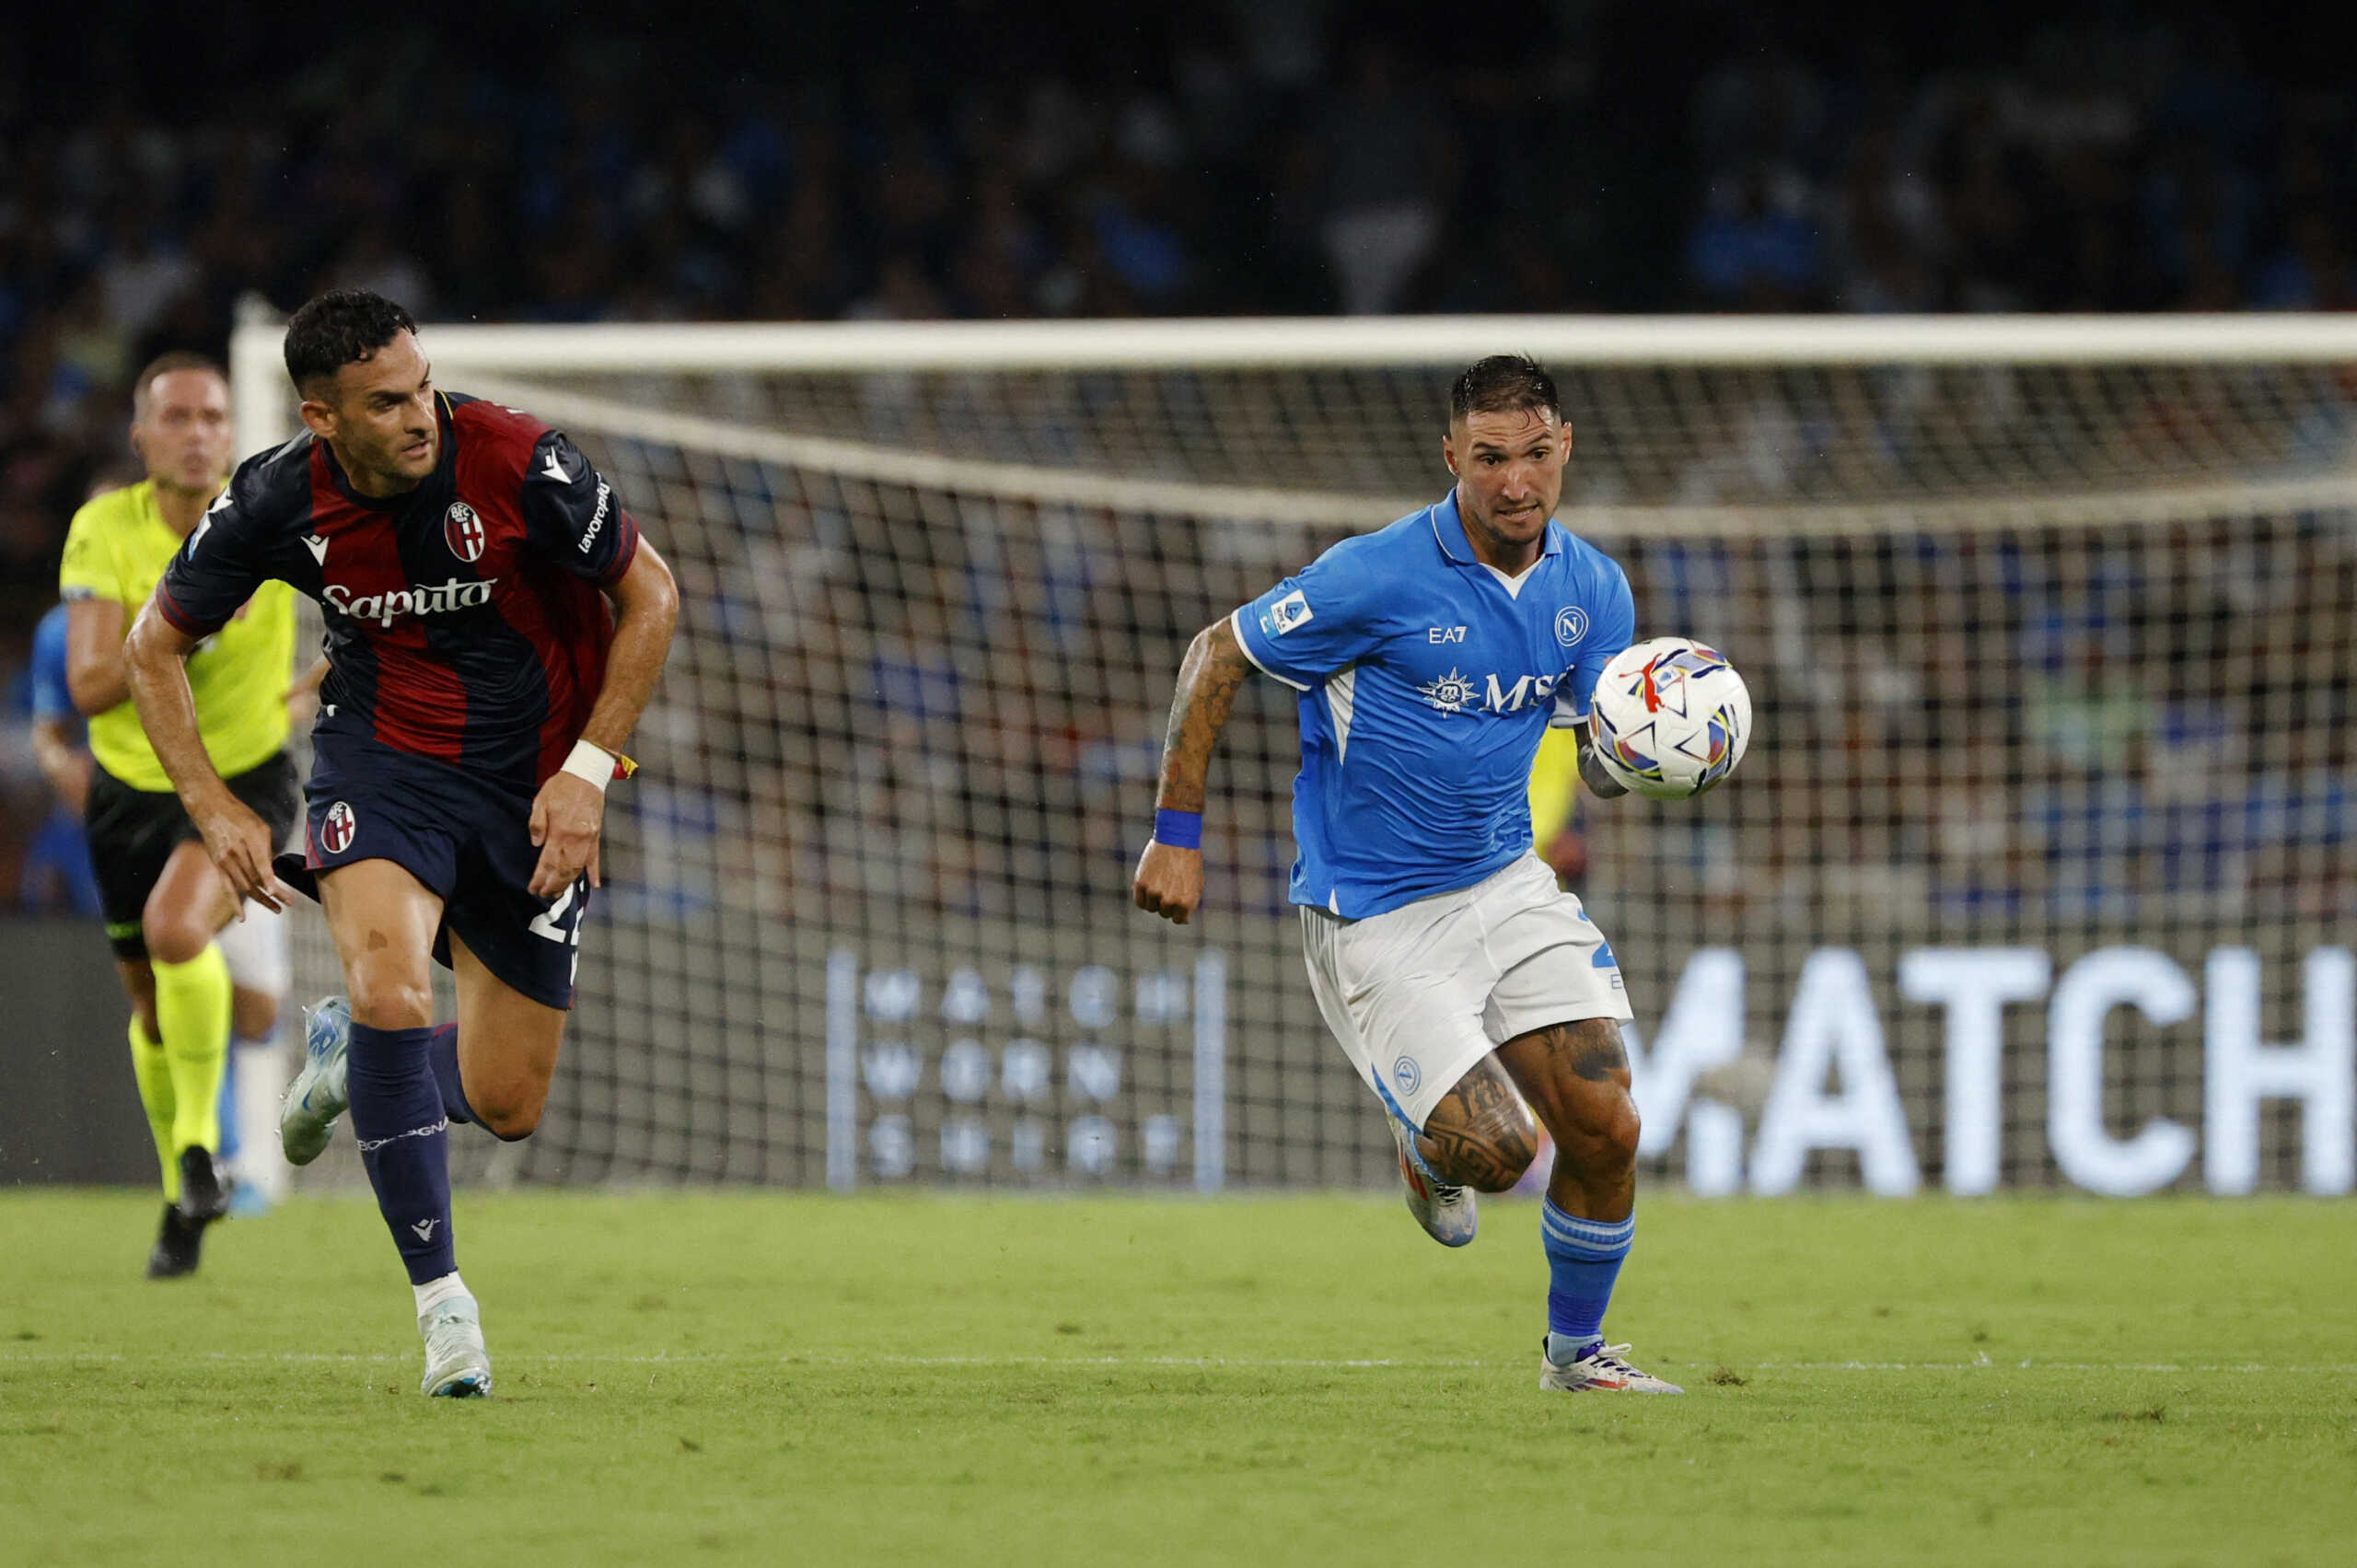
(1426,679)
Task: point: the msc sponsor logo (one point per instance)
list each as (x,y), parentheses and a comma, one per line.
(1456,692)
(1448,693)
(439,598)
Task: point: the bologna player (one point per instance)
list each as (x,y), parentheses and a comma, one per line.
(477,702)
(163,900)
(1431,655)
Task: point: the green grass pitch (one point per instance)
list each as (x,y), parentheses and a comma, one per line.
(743,1376)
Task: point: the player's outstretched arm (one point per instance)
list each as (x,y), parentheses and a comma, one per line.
(1169,880)
(155,659)
(569,814)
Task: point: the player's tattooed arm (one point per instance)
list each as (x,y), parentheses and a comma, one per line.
(1169,880)
(1215,667)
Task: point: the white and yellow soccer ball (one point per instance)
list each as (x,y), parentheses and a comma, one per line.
(1670,718)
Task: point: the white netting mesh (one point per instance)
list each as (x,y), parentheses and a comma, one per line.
(2044,657)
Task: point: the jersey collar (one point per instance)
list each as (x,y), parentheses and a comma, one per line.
(1449,532)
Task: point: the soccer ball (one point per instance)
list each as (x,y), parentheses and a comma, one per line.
(1670,718)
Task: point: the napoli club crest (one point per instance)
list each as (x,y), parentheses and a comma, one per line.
(1571,624)
(463,531)
(337,827)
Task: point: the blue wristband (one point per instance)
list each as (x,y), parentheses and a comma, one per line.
(1179,830)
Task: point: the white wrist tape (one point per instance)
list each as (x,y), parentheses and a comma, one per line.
(591,763)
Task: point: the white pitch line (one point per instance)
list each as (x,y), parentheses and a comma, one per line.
(2033,1364)
(813,1359)
(1235,1363)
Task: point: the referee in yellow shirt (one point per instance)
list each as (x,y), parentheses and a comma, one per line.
(163,900)
(1554,805)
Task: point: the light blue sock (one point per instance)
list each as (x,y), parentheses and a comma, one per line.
(1583,1260)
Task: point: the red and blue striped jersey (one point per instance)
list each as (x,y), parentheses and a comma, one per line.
(464,620)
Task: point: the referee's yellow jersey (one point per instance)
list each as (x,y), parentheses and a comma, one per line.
(117,548)
(1554,785)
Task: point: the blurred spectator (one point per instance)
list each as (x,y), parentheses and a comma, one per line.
(1247,157)
(1385,166)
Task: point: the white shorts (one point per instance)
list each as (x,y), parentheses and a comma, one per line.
(256,948)
(1419,994)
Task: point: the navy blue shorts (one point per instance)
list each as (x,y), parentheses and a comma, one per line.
(466,837)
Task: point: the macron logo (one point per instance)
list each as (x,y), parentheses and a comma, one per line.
(317,546)
(555,470)
(425,1229)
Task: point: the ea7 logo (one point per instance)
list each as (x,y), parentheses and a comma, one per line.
(1445,635)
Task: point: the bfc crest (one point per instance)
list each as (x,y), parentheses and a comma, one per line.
(462,531)
(338,829)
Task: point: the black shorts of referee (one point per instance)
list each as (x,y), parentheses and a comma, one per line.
(132,833)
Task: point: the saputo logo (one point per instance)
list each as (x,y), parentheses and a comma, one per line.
(440,598)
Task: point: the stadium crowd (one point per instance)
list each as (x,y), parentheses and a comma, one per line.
(1250,157)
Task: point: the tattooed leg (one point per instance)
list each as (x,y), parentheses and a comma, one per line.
(1576,1077)
(1480,1135)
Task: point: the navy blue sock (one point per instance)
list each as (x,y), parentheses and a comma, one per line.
(405,1137)
(1583,1260)
(442,1053)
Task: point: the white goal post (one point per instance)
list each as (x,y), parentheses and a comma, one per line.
(2039,871)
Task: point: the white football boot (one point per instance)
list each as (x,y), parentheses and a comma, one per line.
(318,1096)
(457,1365)
(1602,1371)
(1448,1213)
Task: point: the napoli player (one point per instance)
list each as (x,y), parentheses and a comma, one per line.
(478,698)
(1430,656)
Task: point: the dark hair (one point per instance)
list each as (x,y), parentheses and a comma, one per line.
(164,365)
(1501,384)
(337,327)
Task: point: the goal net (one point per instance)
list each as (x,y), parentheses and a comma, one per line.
(2039,873)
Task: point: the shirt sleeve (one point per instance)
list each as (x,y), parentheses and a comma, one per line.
(1611,626)
(215,569)
(1322,619)
(573,515)
(87,570)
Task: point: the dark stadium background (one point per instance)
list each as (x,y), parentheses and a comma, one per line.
(549,162)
